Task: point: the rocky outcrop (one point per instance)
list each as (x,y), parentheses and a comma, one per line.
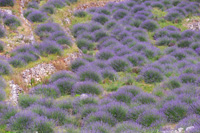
(37,73)
(179,130)
(31,36)
(15,91)
(193,24)
(72,56)
(95,4)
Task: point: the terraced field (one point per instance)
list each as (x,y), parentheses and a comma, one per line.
(91,66)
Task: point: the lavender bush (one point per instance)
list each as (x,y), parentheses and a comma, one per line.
(174,111)
(42,125)
(62,74)
(86,87)
(64,85)
(152,75)
(33,4)
(46,90)
(12,21)
(7,2)
(26,100)
(97,127)
(2,45)
(22,121)
(5,68)
(37,16)
(101,116)
(89,74)
(2,32)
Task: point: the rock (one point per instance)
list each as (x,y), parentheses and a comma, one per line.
(180,129)
(9,12)
(194,25)
(37,73)
(71,57)
(188,129)
(83,96)
(67,20)
(15,90)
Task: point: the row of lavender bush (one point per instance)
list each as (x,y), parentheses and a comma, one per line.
(35,13)
(9,20)
(119,32)
(54,39)
(7,3)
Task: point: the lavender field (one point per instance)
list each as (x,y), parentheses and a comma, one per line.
(90,66)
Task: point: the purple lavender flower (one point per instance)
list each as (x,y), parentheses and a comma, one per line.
(38,109)
(7,2)
(63,40)
(100,18)
(17,62)
(109,73)
(57,3)
(117,109)
(85,99)
(128,126)
(136,59)
(97,126)
(46,90)
(119,14)
(87,73)
(42,124)
(6,112)
(45,30)
(145,98)
(2,95)
(57,114)
(48,8)
(105,54)
(2,83)
(2,32)
(12,21)
(85,44)
(172,83)
(195,107)
(122,96)
(65,104)
(174,16)
(33,4)
(65,85)
(151,118)
(49,47)
(26,100)
(26,57)
(62,74)
(47,102)
(103,116)
(37,16)
(188,78)
(191,120)
(119,64)
(152,74)
(132,89)
(150,25)
(87,109)
(86,87)
(22,121)
(174,110)
(5,68)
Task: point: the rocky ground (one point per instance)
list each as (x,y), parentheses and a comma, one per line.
(193,24)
